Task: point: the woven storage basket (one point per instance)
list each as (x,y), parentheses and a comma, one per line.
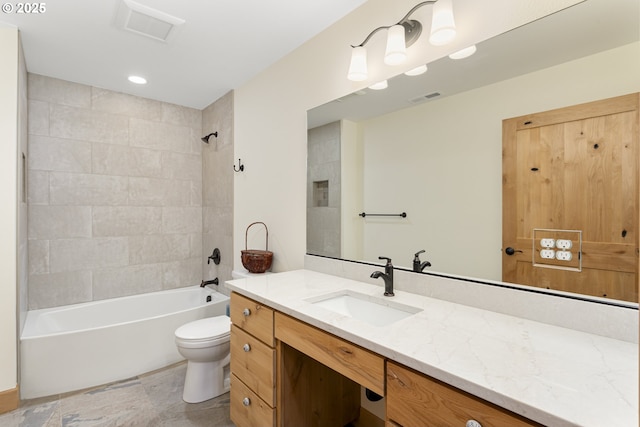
(255,260)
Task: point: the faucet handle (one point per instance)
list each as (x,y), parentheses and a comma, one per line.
(417,254)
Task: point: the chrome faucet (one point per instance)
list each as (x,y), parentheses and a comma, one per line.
(387,276)
(417,265)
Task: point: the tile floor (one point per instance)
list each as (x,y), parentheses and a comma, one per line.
(153,399)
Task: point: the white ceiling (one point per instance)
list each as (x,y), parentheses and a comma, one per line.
(221,45)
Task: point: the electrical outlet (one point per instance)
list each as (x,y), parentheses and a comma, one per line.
(547,243)
(564,255)
(564,244)
(548,253)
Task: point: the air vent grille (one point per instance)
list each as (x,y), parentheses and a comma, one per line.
(423,98)
(143,20)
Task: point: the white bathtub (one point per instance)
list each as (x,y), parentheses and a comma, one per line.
(83,345)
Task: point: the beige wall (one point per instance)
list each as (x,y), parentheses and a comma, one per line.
(9,85)
(115,194)
(448,156)
(270,110)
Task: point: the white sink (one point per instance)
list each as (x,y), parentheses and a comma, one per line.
(375,311)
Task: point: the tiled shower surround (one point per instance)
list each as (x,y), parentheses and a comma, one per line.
(114,192)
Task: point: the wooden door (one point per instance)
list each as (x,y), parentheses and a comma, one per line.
(574,168)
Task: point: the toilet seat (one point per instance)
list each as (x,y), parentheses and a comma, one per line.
(204,332)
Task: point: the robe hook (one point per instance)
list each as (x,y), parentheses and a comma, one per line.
(240,166)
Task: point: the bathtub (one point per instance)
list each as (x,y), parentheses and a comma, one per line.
(78,346)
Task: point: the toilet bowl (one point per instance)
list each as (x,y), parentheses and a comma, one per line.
(205,344)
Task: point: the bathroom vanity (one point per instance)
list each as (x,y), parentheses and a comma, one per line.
(302,347)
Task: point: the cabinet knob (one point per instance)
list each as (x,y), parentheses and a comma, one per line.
(246,401)
(473,423)
(246,347)
(246,312)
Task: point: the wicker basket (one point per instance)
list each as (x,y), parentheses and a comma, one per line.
(255,260)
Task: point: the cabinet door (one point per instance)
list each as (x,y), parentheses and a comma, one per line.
(415,400)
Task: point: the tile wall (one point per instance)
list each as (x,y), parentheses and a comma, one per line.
(115,194)
(217,192)
(323,211)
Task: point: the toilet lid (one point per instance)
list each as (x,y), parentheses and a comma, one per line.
(211,327)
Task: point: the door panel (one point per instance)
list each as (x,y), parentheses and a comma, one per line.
(574,168)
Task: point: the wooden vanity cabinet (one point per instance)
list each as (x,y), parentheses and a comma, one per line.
(416,400)
(253,362)
(285,372)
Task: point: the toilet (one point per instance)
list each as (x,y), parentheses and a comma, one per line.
(205,343)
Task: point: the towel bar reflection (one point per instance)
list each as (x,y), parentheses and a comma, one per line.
(364,214)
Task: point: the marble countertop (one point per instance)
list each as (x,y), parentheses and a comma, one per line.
(552,375)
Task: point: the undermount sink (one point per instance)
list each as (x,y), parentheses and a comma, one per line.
(375,311)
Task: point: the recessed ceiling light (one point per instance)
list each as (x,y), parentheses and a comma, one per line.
(138,80)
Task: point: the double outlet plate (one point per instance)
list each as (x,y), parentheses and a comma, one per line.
(564,246)
(557,249)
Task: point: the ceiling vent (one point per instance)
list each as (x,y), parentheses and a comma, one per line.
(423,98)
(143,20)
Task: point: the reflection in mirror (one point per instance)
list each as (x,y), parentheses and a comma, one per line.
(431,145)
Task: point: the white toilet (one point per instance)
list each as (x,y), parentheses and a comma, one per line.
(205,344)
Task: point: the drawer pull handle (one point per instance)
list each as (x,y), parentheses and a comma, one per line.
(473,423)
(246,347)
(246,312)
(246,401)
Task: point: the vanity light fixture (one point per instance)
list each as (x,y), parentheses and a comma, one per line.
(358,68)
(404,34)
(443,26)
(464,53)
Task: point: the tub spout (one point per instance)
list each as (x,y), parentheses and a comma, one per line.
(209,282)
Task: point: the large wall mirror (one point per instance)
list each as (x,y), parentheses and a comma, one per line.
(430,146)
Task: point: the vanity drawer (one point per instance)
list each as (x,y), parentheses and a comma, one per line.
(414,399)
(254,363)
(253,317)
(354,362)
(247,409)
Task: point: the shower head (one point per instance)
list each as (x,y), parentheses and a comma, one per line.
(205,139)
